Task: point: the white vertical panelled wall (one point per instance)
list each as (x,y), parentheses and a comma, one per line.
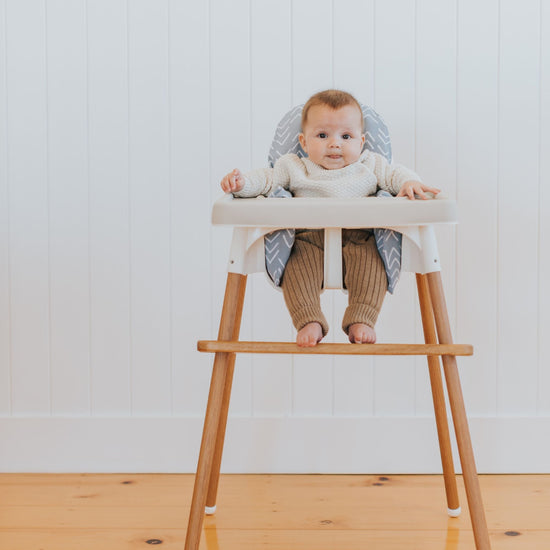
(117,120)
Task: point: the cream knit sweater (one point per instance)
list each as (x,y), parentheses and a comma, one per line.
(304,178)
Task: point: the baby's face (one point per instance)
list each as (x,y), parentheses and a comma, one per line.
(333,138)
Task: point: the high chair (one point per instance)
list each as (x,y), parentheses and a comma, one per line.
(252,219)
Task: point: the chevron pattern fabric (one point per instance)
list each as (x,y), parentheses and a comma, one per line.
(278,244)
(377,136)
(388,243)
(285,139)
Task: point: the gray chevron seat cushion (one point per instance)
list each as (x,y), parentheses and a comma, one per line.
(278,244)
(388,243)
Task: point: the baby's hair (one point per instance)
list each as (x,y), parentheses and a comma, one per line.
(335,99)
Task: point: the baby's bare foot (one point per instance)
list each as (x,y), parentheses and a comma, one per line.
(361,334)
(309,335)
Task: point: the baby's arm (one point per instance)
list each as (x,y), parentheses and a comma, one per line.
(257,182)
(252,184)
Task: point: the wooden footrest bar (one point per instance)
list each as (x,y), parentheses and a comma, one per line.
(334,349)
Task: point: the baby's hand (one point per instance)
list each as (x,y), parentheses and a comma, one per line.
(411,187)
(233,182)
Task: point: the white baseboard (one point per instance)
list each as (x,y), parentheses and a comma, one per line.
(262,445)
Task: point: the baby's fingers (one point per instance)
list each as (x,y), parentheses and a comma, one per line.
(406,192)
(236,180)
(226,184)
(425,189)
(236,177)
(421,194)
(232,182)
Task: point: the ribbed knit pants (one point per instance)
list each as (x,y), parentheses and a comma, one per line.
(363,272)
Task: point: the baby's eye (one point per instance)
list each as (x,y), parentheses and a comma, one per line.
(322,135)
(346,136)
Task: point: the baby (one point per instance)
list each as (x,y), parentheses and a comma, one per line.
(332,137)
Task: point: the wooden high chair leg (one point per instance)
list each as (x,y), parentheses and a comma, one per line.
(220,438)
(215,421)
(471,481)
(436,381)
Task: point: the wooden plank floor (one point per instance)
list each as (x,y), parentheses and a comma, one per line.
(274,512)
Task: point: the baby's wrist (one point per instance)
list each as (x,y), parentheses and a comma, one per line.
(246,188)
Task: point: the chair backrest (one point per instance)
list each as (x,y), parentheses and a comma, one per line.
(377,136)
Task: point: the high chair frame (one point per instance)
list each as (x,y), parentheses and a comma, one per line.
(251,219)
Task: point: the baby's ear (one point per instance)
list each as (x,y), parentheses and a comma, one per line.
(302,141)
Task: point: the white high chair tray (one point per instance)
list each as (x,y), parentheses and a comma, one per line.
(333,212)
